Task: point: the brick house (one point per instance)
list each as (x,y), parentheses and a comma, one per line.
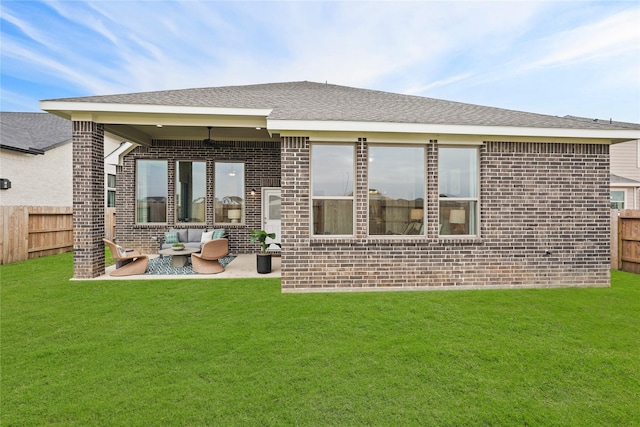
(370,190)
(36,157)
(625,175)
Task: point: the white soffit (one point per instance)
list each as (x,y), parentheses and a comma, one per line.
(296,127)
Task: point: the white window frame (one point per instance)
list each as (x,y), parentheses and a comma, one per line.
(624,198)
(352,198)
(243,207)
(462,199)
(424,189)
(176,191)
(166,213)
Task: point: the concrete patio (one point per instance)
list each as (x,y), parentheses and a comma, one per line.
(242,267)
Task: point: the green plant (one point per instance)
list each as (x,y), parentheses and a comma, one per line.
(178,245)
(261,236)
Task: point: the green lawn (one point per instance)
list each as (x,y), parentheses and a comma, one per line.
(238,352)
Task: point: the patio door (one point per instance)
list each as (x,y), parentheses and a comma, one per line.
(271,215)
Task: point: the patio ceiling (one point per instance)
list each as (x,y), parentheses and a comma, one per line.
(144,134)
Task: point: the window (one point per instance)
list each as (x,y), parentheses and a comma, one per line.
(151,191)
(111,191)
(229,192)
(191,186)
(617,199)
(396,190)
(332,188)
(458,182)
(111,199)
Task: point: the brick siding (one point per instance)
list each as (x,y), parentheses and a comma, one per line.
(262,169)
(544,222)
(88,199)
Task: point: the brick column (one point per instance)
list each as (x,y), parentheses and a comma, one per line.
(295,206)
(88,199)
(362,189)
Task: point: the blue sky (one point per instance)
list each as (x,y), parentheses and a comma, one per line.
(550,57)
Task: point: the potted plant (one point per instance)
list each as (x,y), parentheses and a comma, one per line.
(263,258)
(177,246)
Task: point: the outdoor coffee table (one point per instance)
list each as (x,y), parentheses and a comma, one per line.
(179,258)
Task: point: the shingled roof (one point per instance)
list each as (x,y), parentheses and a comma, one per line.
(616,179)
(309,101)
(33,132)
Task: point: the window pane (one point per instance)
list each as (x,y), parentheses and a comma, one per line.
(274,206)
(190,191)
(111,199)
(617,199)
(458,217)
(332,170)
(396,190)
(111,181)
(229,192)
(332,217)
(458,172)
(151,190)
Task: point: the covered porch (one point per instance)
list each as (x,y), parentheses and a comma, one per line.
(216,164)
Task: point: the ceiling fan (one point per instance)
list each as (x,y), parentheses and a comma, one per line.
(208,141)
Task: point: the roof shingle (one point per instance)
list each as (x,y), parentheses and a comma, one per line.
(327,102)
(33,130)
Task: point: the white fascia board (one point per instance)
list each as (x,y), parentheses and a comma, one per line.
(51,106)
(625,185)
(294,127)
(134,114)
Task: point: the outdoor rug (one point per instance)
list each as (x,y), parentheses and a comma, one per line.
(163,266)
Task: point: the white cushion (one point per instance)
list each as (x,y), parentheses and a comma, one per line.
(206,236)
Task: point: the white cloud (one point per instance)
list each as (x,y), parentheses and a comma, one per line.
(611,37)
(426,48)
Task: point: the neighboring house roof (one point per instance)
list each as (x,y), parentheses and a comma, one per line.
(33,133)
(622,181)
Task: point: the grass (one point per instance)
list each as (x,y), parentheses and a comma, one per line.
(238,352)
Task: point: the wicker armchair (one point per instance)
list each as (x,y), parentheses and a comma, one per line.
(128,262)
(206,262)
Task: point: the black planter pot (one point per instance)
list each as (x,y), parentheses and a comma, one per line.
(264,263)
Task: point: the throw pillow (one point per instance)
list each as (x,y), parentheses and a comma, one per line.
(182,234)
(217,234)
(206,236)
(195,234)
(171,237)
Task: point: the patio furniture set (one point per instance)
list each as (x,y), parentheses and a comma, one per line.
(203,247)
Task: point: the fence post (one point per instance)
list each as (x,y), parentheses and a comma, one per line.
(614,240)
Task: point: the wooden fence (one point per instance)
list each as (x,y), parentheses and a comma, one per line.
(625,240)
(110,224)
(33,231)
